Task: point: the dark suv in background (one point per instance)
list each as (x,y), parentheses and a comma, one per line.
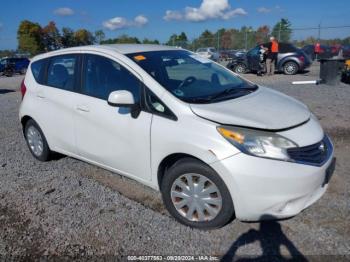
(12,65)
(290,60)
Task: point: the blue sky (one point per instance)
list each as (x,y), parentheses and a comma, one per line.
(149,18)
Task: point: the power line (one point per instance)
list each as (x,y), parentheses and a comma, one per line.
(320,27)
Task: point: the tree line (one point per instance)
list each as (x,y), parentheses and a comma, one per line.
(34,38)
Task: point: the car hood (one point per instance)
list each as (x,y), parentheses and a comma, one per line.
(263,109)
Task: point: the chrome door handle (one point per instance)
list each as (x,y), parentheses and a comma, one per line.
(83,108)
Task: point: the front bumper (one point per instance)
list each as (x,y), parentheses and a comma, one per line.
(270,188)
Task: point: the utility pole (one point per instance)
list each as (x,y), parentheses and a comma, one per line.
(319,32)
(279,32)
(218,41)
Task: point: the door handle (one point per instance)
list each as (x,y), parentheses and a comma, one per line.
(83,108)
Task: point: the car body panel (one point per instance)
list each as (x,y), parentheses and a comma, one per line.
(280,189)
(264,109)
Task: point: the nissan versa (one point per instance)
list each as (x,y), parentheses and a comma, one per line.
(216,146)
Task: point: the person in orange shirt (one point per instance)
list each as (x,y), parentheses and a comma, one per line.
(271,56)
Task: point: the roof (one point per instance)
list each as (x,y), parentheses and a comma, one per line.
(120,48)
(135,48)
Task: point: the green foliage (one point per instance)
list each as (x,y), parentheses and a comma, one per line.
(99,36)
(50,37)
(67,38)
(149,41)
(83,37)
(29,36)
(5,53)
(178,40)
(34,39)
(123,39)
(282,30)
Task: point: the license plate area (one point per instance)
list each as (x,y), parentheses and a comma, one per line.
(329,172)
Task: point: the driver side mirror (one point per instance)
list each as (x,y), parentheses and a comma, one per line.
(121,98)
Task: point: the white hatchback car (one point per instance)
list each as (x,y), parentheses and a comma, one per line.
(217,146)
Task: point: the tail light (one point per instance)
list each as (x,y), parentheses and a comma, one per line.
(302,58)
(23,89)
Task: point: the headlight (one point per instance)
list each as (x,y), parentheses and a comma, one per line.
(258,143)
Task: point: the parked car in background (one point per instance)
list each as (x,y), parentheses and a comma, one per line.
(346,51)
(290,60)
(209,52)
(218,147)
(325,52)
(227,55)
(12,65)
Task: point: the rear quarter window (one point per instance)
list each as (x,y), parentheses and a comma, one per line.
(38,70)
(286,48)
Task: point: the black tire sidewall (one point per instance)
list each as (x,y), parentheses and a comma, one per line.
(244,68)
(190,165)
(46,150)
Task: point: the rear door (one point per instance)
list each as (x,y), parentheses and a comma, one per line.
(55,96)
(109,135)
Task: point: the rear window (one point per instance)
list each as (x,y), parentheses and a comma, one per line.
(286,48)
(61,72)
(38,70)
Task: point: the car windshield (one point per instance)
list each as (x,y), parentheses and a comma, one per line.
(190,77)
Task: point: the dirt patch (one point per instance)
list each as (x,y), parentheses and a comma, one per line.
(128,188)
(17,237)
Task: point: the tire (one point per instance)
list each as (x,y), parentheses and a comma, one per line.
(240,68)
(32,131)
(222,210)
(8,73)
(290,68)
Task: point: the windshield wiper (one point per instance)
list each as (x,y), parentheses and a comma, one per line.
(198,100)
(233,90)
(220,95)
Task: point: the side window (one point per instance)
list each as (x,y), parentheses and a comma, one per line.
(157,107)
(102,76)
(61,72)
(38,70)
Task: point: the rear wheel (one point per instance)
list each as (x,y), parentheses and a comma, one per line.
(196,196)
(290,68)
(240,68)
(36,141)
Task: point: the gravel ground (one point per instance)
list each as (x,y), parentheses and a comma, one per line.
(67,208)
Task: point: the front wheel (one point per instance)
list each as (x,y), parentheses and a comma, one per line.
(240,68)
(290,68)
(196,196)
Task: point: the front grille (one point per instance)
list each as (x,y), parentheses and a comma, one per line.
(316,154)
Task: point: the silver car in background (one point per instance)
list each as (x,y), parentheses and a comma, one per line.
(208,52)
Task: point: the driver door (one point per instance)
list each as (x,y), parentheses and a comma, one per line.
(109,135)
